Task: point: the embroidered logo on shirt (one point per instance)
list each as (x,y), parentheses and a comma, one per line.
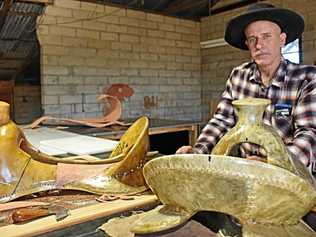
(282,110)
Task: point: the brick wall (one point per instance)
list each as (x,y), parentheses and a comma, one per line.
(86,47)
(218,62)
(158,56)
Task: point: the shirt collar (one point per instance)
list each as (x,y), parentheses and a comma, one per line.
(279,75)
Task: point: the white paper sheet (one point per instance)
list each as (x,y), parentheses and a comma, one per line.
(81,145)
(56,142)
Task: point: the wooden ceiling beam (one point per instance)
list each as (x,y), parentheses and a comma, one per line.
(179,6)
(127,6)
(231,6)
(4,11)
(31,40)
(16,13)
(212,3)
(159,4)
(11,64)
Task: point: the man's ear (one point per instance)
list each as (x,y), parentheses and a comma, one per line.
(282,39)
(246,43)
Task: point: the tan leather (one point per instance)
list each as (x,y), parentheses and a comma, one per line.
(24,170)
(111,115)
(269,198)
(120,91)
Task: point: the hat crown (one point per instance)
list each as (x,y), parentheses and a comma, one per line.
(259,6)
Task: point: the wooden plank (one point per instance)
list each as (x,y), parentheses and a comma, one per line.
(184,6)
(77,216)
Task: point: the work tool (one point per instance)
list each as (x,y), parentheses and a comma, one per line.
(28,214)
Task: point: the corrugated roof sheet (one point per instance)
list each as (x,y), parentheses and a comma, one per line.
(18,24)
(17,36)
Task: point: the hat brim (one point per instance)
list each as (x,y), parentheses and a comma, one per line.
(290,22)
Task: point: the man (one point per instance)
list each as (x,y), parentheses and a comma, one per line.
(263,30)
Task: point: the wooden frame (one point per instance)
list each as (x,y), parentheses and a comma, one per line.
(190,127)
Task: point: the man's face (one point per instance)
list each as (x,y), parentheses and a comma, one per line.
(265,40)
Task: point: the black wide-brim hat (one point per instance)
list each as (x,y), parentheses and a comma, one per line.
(289,21)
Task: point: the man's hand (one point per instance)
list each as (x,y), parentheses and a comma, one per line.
(185,150)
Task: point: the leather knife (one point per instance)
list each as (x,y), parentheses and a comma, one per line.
(28,214)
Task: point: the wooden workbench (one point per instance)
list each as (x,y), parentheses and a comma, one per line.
(77,216)
(166,136)
(156,126)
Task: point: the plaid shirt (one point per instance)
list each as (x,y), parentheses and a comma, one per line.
(293,85)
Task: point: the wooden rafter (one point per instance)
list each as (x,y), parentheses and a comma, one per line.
(231,6)
(179,6)
(4,11)
(126,4)
(16,13)
(212,3)
(159,3)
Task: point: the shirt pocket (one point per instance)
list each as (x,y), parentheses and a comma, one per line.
(283,120)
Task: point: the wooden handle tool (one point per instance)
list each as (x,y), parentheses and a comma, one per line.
(28,214)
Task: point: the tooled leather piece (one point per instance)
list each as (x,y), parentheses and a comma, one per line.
(120,91)
(67,173)
(25,171)
(110,117)
(20,204)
